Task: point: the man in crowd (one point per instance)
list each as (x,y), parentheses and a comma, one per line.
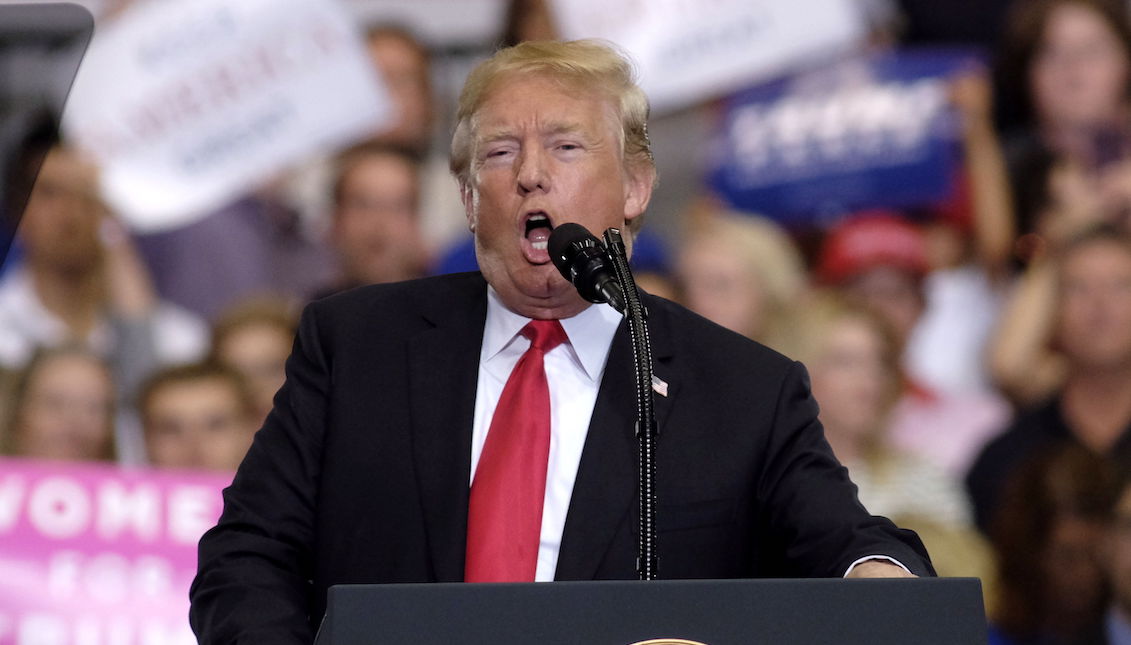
(405,67)
(254,338)
(398,396)
(199,415)
(375,230)
(1093,408)
(83,282)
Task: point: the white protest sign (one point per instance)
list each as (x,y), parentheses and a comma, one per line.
(188,104)
(442,23)
(690,50)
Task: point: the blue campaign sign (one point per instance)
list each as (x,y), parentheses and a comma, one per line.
(873,132)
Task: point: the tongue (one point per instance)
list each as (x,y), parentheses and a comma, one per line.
(540,234)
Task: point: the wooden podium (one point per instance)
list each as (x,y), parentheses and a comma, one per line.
(925,611)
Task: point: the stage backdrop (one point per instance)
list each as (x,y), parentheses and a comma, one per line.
(100,555)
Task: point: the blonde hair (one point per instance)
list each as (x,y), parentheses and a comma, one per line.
(268,310)
(591,63)
(822,310)
(769,255)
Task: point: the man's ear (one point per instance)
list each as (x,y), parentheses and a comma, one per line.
(639,179)
(467,196)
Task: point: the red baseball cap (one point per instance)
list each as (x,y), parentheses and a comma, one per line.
(868,240)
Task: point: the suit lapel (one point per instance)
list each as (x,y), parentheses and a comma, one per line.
(443,369)
(604,492)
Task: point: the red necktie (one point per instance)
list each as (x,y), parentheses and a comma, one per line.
(504,517)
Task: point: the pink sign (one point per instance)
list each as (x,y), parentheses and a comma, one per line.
(98,554)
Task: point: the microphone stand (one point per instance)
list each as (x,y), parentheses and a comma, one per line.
(646,430)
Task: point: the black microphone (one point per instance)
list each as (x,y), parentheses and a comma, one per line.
(582,260)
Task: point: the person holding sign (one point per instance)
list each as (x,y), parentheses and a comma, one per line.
(478,427)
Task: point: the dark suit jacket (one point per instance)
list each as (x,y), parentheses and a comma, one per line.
(360,473)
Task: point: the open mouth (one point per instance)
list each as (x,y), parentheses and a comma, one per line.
(538,228)
(537,237)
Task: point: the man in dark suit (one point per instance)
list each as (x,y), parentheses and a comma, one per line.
(394,393)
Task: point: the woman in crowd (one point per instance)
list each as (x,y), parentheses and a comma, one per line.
(744,273)
(1066,73)
(852,357)
(63,408)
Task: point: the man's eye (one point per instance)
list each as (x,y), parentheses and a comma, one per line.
(568,146)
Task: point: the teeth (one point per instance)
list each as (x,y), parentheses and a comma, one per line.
(539,246)
(537,221)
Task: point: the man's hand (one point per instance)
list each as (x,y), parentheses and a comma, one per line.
(878,569)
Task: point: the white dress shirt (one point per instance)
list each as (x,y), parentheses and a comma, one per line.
(573,373)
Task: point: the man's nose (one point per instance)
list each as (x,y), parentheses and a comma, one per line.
(532,173)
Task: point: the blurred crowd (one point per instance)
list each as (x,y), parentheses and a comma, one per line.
(972,361)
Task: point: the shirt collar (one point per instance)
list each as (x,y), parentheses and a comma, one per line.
(590,333)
